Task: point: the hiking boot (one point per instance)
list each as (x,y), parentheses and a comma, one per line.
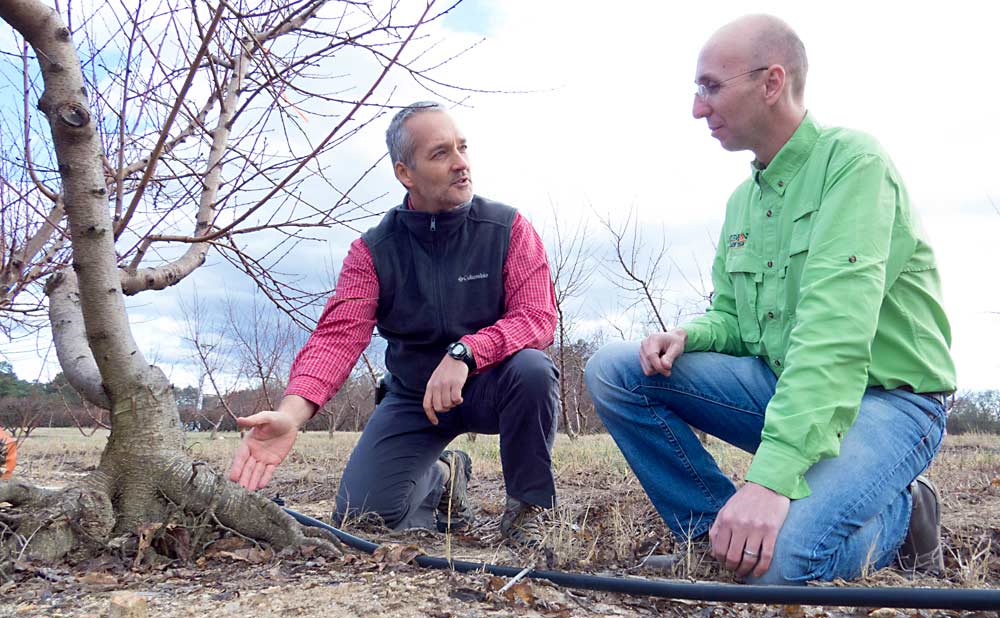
(522,523)
(921,548)
(454,511)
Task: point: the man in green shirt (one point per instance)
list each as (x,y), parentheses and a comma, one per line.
(824,351)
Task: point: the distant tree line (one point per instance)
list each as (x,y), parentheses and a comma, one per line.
(354,403)
(975,412)
(26,405)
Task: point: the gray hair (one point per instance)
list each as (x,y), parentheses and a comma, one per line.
(398,139)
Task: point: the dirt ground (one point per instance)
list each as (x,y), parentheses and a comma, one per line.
(604,525)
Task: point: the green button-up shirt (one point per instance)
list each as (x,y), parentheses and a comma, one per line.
(822,270)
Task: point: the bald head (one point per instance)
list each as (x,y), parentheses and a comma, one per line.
(763,40)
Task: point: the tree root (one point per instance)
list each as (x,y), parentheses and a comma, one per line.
(45,525)
(198,488)
(17,492)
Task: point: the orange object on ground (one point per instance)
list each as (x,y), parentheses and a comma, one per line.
(8,454)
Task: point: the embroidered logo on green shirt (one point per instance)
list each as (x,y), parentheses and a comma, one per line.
(737,241)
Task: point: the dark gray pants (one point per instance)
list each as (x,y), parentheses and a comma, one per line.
(392,470)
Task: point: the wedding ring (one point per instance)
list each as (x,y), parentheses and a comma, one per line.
(750,553)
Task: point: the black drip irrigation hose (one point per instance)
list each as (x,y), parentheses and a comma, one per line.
(910,598)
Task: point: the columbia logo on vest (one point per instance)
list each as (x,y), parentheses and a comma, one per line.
(465,278)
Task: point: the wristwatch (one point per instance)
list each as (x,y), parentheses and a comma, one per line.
(460,351)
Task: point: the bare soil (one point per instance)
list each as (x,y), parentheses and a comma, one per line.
(604,525)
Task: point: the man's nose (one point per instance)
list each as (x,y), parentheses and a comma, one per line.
(700,109)
(460,161)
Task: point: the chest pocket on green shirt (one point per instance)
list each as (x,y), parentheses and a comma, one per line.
(745,272)
(798,247)
(801,227)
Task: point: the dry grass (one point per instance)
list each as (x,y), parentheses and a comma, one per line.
(604,522)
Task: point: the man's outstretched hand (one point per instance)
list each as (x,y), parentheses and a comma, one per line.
(268,442)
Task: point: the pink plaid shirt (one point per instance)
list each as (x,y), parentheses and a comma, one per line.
(345,327)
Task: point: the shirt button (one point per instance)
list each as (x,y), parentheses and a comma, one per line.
(770,315)
(852,259)
(781,183)
(777,362)
(770,263)
(769,213)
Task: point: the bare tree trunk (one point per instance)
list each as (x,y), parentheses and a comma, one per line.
(144,475)
(143,462)
(563,377)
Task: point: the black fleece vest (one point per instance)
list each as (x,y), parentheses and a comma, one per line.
(440,277)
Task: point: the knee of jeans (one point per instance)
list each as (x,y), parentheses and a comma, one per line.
(390,507)
(794,563)
(603,370)
(534,373)
(785,570)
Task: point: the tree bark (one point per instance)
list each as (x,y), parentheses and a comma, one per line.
(143,474)
(70,339)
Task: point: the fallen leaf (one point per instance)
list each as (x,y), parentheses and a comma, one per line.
(175,543)
(227,544)
(522,591)
(99,579)
(53,575)
(392,554)
(467,594)
(146,534)
(253,555)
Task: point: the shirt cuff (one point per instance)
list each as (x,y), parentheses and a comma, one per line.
(310,388)
(482,348)
(698,337)
(780,470)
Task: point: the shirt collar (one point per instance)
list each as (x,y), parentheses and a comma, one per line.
(428,226)
(408,206)
(792,156)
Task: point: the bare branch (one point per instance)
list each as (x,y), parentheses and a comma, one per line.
(627,254)
(168,124)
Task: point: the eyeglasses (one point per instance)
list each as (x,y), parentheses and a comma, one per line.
(710,89)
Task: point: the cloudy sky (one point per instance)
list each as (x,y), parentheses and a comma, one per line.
(595,121)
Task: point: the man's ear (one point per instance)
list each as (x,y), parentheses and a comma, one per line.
(403,174)
(775,83)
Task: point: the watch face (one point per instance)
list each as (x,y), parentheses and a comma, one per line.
(458,349)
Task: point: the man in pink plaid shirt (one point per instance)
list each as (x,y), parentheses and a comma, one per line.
(459,287)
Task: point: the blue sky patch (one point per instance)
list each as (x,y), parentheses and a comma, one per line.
(472,16)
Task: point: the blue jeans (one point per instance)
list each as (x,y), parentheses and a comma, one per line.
(859,508)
